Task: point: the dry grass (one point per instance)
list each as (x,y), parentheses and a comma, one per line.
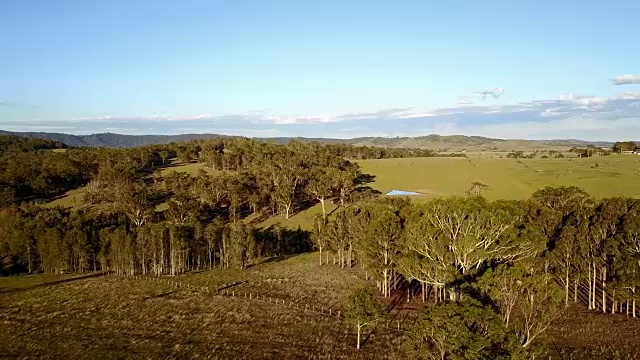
(112,317)
(115,318)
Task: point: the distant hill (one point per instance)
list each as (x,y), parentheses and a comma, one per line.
(436,142)
(112,140)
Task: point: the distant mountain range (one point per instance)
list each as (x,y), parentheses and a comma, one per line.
(436,142)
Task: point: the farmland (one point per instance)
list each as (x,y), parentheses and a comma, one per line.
(112,317)
(609,176)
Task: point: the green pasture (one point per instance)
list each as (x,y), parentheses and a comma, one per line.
(616,175)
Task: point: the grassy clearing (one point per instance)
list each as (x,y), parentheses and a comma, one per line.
(71,199)
(192,169)
(614,175)
(111,317)
(297,279)
(21,282)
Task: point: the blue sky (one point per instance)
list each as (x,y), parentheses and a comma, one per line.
(545,69)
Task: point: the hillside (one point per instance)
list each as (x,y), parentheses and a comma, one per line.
(437,142)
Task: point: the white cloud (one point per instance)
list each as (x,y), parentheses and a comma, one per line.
(569,115)
(626,79)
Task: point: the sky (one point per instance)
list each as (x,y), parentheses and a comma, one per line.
(341,69)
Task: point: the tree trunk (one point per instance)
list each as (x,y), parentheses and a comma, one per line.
(358,345)
(320,256)
(575,291)
(566,288)
(590,291)
(627,307)
(324,212)
(384,282)
(604,290)
(613,305)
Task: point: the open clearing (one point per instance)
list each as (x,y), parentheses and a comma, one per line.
(114,317)
(606,176)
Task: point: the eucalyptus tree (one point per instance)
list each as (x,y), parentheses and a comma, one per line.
(133,199)
(320,235)
(570,250)
(563,199)
(239,243)
(320,185)
(541,303)
(462,330)
(629,268)
(381,234)
(213,234)
(426,256)
(363,309)
(182,209)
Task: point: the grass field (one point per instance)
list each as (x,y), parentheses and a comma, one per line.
(616,175)
(91,317)
(112,317)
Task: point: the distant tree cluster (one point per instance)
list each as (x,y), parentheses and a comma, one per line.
(590,151)
(624,146)
(22,144)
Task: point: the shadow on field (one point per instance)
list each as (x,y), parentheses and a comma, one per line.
(52,283)
(274,259)
(159,296)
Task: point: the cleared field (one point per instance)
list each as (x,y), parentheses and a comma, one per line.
(111,317)
(50,316)
(73,198)
(192,169)
(616,175)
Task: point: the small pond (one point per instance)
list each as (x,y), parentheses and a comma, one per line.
(402,193)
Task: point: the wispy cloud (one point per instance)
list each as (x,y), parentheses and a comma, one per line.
(464,100)
(493,92)
(626,79)
(566,116)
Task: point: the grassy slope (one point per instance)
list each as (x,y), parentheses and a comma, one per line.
(110,317)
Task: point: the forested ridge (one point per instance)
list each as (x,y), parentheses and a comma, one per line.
(504,270)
